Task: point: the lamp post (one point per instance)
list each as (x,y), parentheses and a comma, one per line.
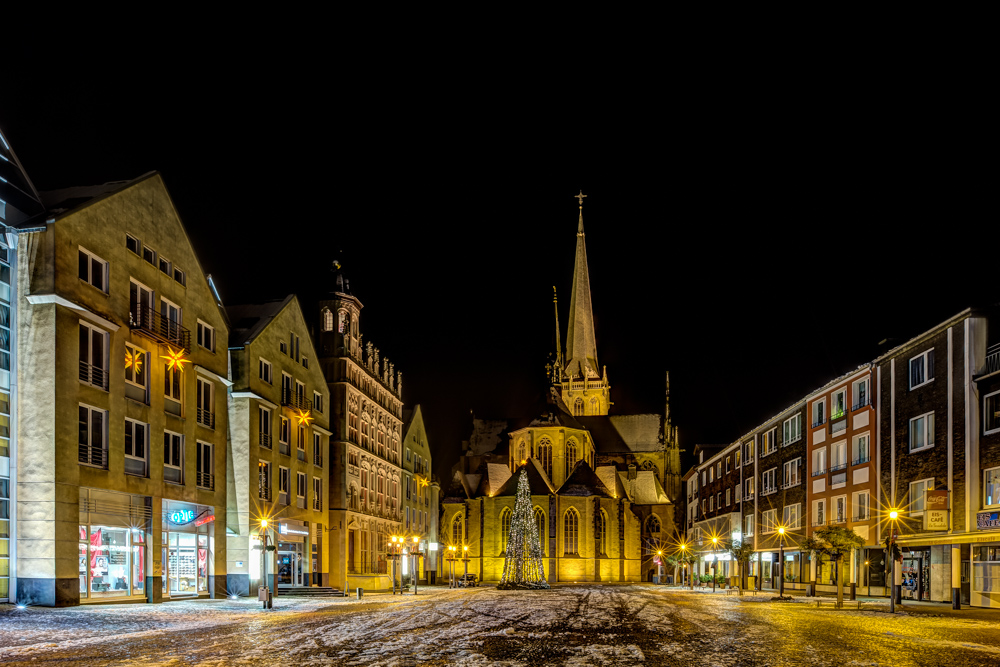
(893,516)
(415,553)
(715,561)
(451,566)
(659,567)
(263,566)
(465,563)
(781,561)
(686,562)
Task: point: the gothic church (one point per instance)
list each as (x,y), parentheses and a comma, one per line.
(603,486)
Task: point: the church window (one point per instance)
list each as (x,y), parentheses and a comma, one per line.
(342,321)
(457,534)
(571,456)
(540,522)
(571,530)
(504,528)
(545,455)
(593,406)
(652,524)
(601,534)
(327,320)
(521,453)
(578,407)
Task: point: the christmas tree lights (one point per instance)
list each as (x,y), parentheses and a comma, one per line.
(523,567)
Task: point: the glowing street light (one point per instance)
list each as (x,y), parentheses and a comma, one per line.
(889,573)
(781,561)
(715,561)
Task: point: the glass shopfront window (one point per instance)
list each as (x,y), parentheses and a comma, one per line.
(187,549)
(986,569)
(112,562)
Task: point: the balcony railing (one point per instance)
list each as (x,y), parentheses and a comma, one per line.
(992,364)
(788,485)
(861,403)
(791,440)
(318,460)
(768,490)
(817,473)
(94,455)
(146,321)
(818,524)
(206,481)
(291,398)
(863,459)
(819,422)
(317,504)
(206,418)
(265,440)
(94,375)
(264,493)
(864,516)
(838,467)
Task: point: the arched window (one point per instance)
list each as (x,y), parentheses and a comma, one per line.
(381,490)
(366,426)
(504,528)
(601,534)
(545,455)
(571,456)
(457,535)
(521,453)
(540,523)
(354,498)
(578,407)
(327,320)
(652,524)
(342,323)
(593,406)
(381,441)
(571,527)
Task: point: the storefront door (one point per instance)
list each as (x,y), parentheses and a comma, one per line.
(289,568)
(182,564)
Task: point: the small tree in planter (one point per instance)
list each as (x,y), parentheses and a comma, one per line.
(742,552)
(835,542)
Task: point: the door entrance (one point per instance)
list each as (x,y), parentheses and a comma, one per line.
(181,566)
(289,568)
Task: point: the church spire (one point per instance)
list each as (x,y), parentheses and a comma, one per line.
(581,346)
(557,376)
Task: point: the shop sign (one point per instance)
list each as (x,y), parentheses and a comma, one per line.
(936,510)
(988,520)
(433,546)
(205,519)
(766,557)
(182,516)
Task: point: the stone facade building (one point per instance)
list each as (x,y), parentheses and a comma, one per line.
(279,417)
(420,493)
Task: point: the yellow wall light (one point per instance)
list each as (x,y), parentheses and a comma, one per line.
(304,417)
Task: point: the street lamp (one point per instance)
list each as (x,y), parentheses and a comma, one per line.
(691,574)
(715,561)
(267,601)
(415,553)
(659,566)
(451,562)
(893,516)
(465,564)
(781,561)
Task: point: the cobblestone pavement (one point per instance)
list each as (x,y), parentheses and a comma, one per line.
(568,625)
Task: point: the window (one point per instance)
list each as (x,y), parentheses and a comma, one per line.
(457,535)
(165,266)
(729,500)
(791,515)
(922,432)
(317,449)
(293,346)
(265,371)
(173,457)
(132,244)
(93,356)
(729,461)
(748,453)
(711,473)
(305,362)
(264,480)
(149,254)
(300,490)
(180,277)
(136,446)
(545,455)
(862,506)
(317,401)
(738,458)
(748,489)
(986,569)
(922,369)
(748,525)
(860,450)
(768,484)
(838,404)
(284,484)
(327,316)
(206,466)
(711,503)
(504,528)
(265,427)
(840,509)
(819,512)
(172,383)
(718,500)
(704,507)
(571,523)
(991,413)
(838,455)
(991,487)
(135,367)
(342,321)
(792,473)
(600,533)
(141,311)
(206,336)
(571,456)
(918,493)
(283,347)
(769,522)
(206,404)
(704,477)
(860,392)
(791,430)
(819,413)
(4,423)
(93,270)
(819,462)
(768,442)
(4,337)
(93,436)
(285,431)
(318,494)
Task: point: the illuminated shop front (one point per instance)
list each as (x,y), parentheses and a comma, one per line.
(188,549)
(293,566)
(112,545)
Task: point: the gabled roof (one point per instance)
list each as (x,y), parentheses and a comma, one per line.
(493,480)
(537,482)
(609,477)
(616,434)
(248,320)
(583,481)
(645,489)
(66,200)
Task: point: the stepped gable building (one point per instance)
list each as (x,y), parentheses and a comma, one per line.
(122,420)
(366,409)
(604,486)
(421,491)
(279,439)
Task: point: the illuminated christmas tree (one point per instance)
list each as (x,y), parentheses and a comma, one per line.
(523,567)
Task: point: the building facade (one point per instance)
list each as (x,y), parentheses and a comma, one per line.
(279,407)
(420,494)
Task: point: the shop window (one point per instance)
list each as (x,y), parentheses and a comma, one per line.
(173,457)
(110,565)
(136,448)
(986,569)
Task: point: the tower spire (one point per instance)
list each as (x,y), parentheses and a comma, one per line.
(581,345)
(559,351)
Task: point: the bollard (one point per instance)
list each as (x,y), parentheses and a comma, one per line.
(361,592)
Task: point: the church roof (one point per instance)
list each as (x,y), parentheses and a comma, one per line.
(581,343)
(644,489)
(615,434)
(609,477)
(583,481)
(537,482)
(495,477)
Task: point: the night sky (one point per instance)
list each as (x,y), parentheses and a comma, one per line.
(754,255)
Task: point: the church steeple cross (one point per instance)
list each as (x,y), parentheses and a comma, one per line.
(580,197)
